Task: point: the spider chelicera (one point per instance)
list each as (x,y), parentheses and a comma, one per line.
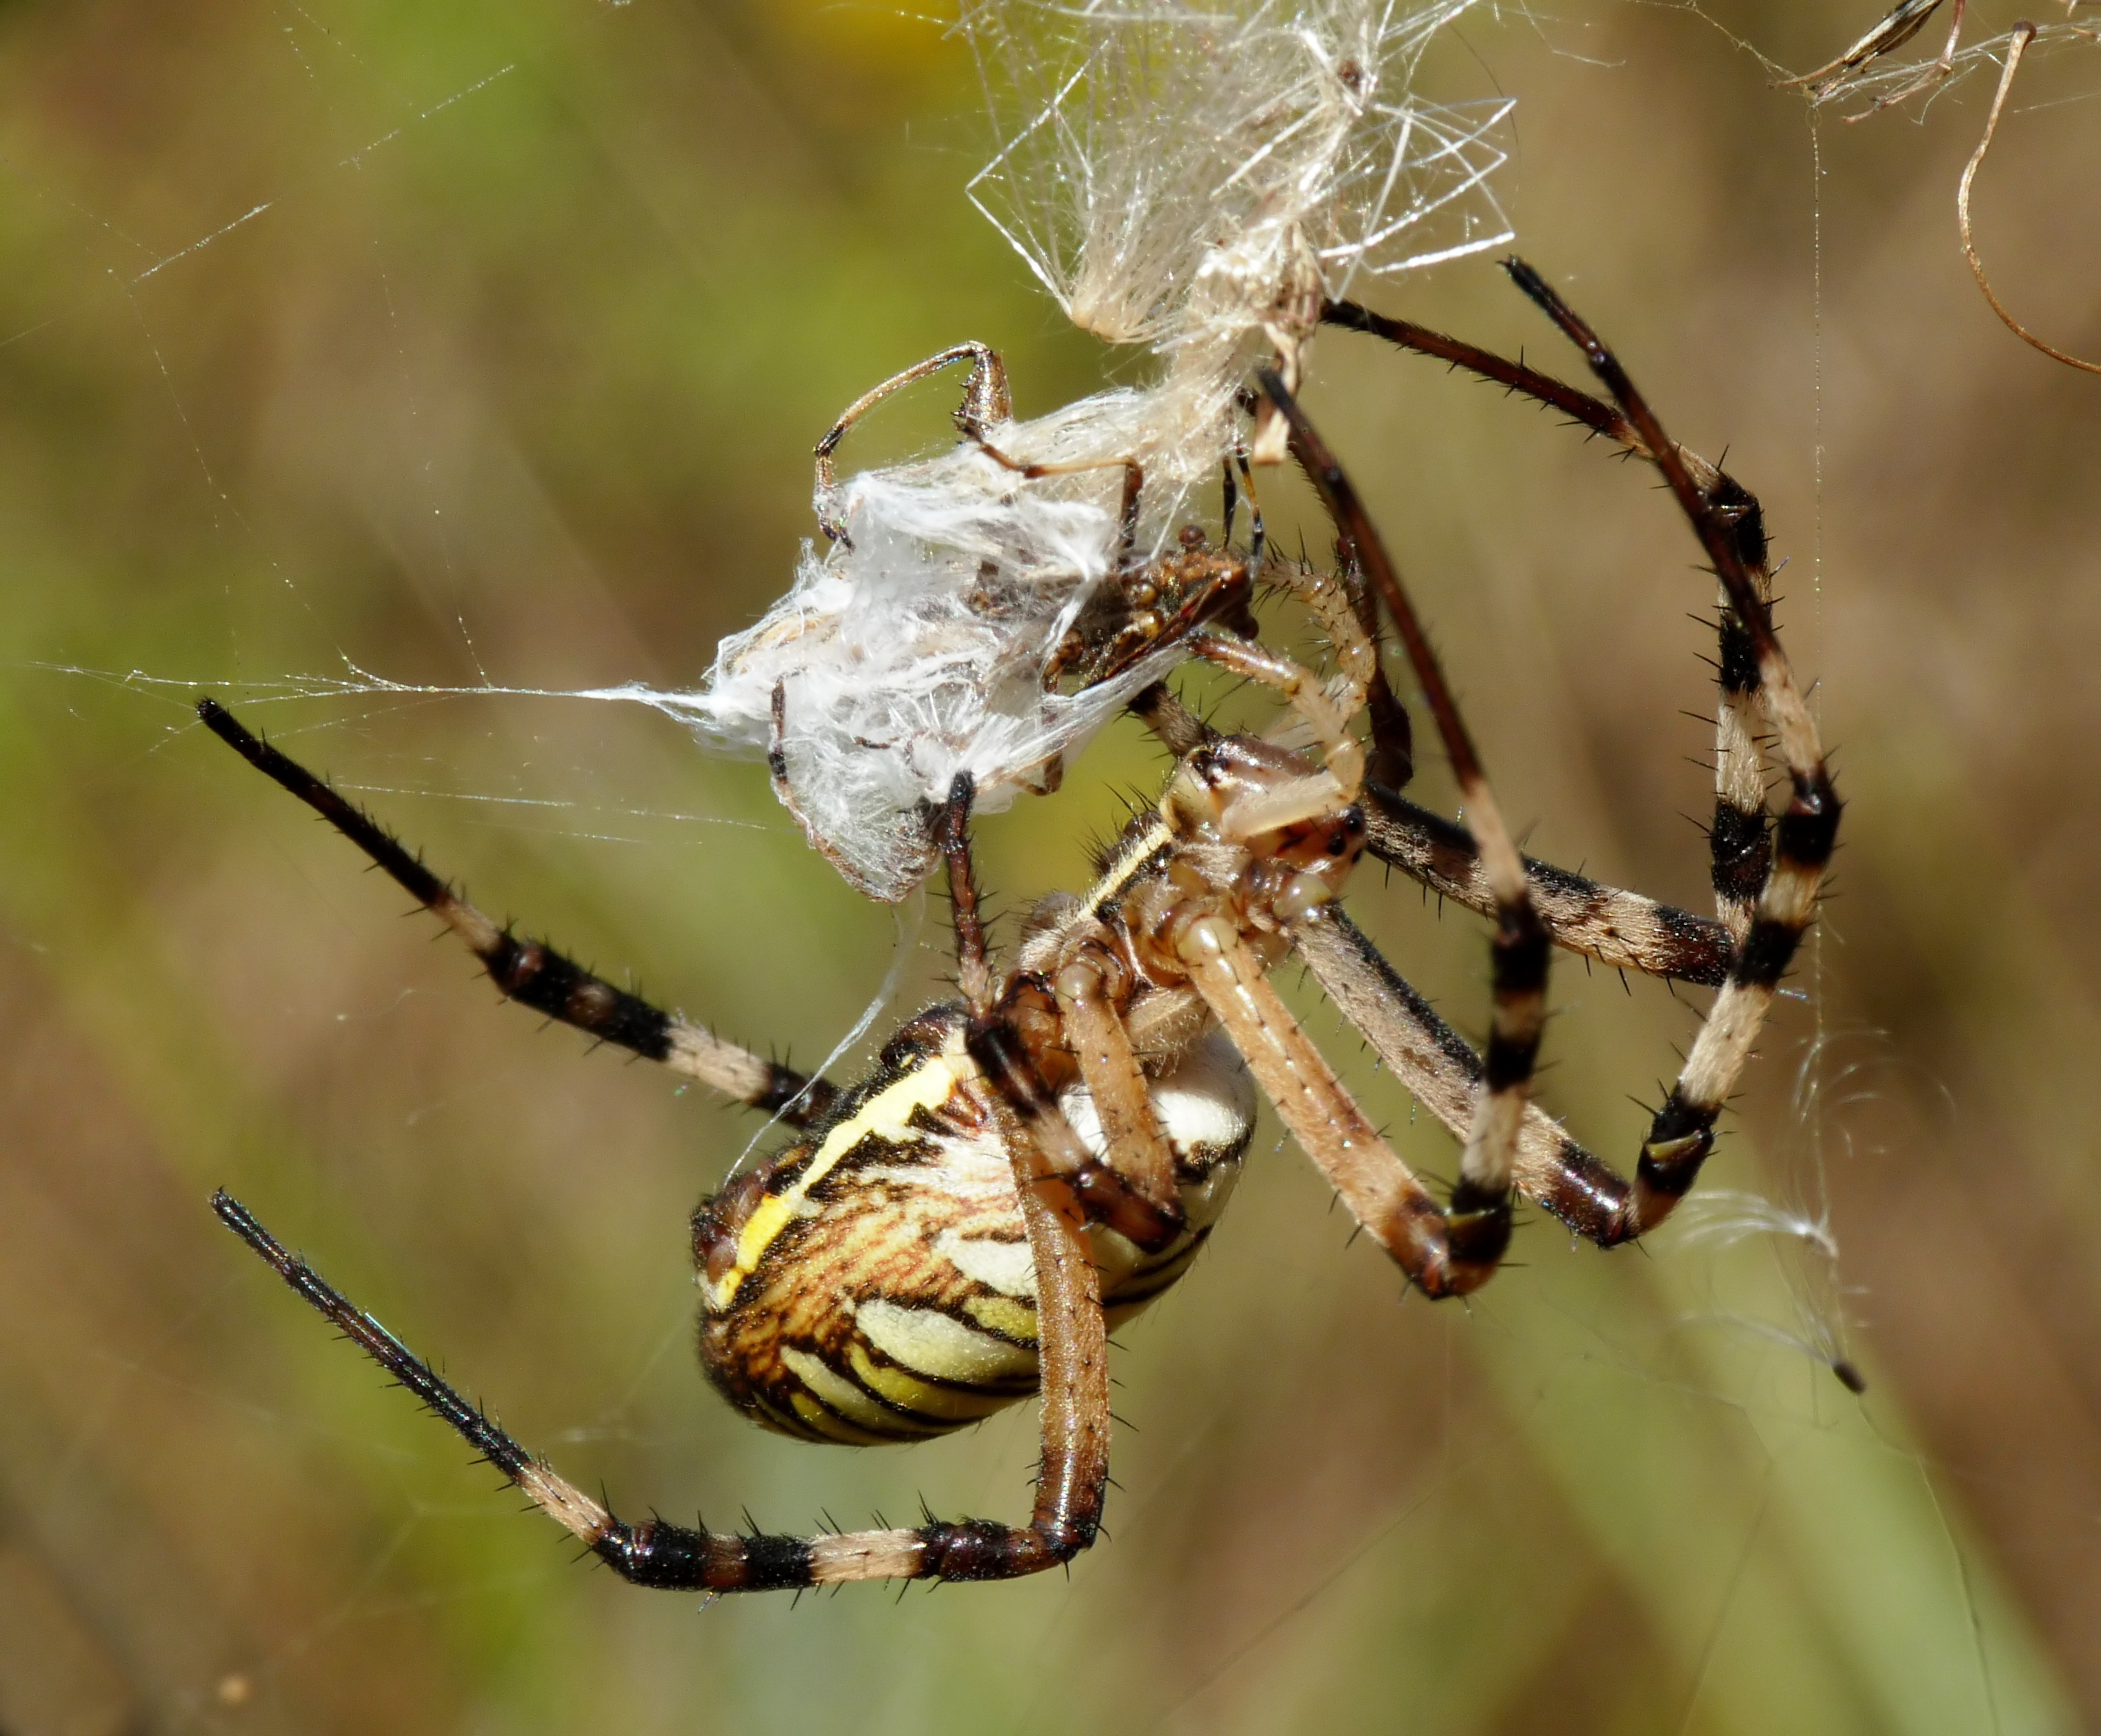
(1038,1158)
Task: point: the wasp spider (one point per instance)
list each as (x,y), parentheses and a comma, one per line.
(1031,1163)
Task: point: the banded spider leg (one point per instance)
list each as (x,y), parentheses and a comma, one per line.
(1072,1329)
(1765,875)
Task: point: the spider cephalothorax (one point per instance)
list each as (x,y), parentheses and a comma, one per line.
(1028,1163)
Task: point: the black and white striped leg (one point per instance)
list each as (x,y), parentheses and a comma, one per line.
(678,1557)
(1441,1071)
(1520,949)
(530,971)
(1624,930)
(1766,877)
(1683,1132)
(1740,844)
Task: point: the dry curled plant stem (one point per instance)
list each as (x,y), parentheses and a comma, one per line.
(2023,34)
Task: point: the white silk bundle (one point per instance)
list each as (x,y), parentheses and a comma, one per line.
(1193,178)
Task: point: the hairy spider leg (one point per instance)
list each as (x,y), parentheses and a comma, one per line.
(1520,949)
(532,973)
(1052,1171)
(1740,845)
(678,1557)
(1391,764)
(1433,1063)
(1132,1189)
(1683,1132)
(1072,1357)
(1441,1071)
(951,826)
(1764,904)
(1624,930)
(1445,1251)
(1341,776)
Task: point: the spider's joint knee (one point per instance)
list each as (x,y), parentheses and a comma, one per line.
(1477,1229)
(1669,1166)
(962,1550)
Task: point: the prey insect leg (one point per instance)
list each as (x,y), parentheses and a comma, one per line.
(986,402)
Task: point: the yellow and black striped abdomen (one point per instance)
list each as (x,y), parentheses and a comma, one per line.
(874,1283)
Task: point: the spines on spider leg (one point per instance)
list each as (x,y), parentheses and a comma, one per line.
(1137,1150)
(529,971)
(1683,1132)
(951,824)
(1072,1352)
(657,1554)
(1740,843)
(646,1553)
(1104,1194)
(1521,953)
(525,970)
(1391,765)
(1729,528)
(1618,928)
(1379,1190)
(1180,730)
(1741,847)
(1598,417)
(1440,1070)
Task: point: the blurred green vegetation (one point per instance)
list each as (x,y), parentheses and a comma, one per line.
(440,341)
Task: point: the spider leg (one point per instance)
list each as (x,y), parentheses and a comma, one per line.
(986,402)
(1594,413)
(1739,845)
(1342,762)
(1176,728)
(1444,1254)
(1739,841)
(1136,1149)
(1391,764)
(1132,1189)
(1520,949)
(1338,603)
(1683,1132)
(535,973)
(1134,481)
(952,837)
(1623,930)
(1441,1071)
(677,1558)
(1619,928)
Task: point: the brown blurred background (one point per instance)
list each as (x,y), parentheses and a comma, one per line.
(518,373)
